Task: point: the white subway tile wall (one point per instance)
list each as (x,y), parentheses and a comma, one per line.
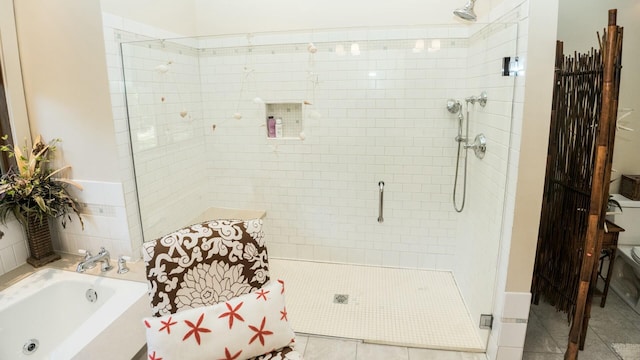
(114,34)
(376,113)
(105,222)
(13,246)
(480,224)
(165,120)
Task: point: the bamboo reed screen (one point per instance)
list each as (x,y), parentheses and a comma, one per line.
(575,119)
(581,140)
(570,159)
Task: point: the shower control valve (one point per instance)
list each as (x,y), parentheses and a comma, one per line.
(482,99)
(479,146)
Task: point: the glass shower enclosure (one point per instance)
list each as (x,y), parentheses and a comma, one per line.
(353,108)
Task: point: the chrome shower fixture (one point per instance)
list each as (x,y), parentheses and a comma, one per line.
(466,12)
(454,106)
(479,146)
(482,99)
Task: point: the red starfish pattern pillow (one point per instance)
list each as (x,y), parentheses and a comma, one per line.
(241,328)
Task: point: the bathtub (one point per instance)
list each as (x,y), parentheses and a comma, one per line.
(54,314)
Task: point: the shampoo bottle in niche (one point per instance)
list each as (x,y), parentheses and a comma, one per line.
(278,127)
(271,127)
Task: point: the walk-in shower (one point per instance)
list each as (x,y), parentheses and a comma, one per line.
(479,145)
(374,128)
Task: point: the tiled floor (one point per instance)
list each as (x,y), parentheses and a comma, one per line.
(547,335)
(325,348)
(392,306)
(548,331)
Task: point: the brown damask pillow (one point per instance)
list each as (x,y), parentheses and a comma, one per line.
(205,264)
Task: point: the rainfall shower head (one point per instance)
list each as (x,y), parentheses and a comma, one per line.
(466,12)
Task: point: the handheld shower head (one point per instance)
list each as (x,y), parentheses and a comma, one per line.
(466,12)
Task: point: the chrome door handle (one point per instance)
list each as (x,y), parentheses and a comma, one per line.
(381,186)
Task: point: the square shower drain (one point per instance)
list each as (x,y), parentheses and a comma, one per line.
(341,299)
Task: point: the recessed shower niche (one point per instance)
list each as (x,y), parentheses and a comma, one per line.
(284,120)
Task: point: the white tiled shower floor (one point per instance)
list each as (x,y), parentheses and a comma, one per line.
(416,308)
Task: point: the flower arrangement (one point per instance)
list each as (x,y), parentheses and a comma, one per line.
(31,191)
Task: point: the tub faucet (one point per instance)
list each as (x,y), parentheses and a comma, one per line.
(122,264)
(103,256)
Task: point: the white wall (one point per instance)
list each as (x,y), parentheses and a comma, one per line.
(479,225)
(527,160)
(217,17)
(247,16)
(320,194)
(210,17)
(105,222)
(12,72)
(13,248)
(391,128)
(382,118)
(65,80)
(524,229)
(66,86)
(239,181)
(170,15)
(168,148)
(113,35)
(579,34)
